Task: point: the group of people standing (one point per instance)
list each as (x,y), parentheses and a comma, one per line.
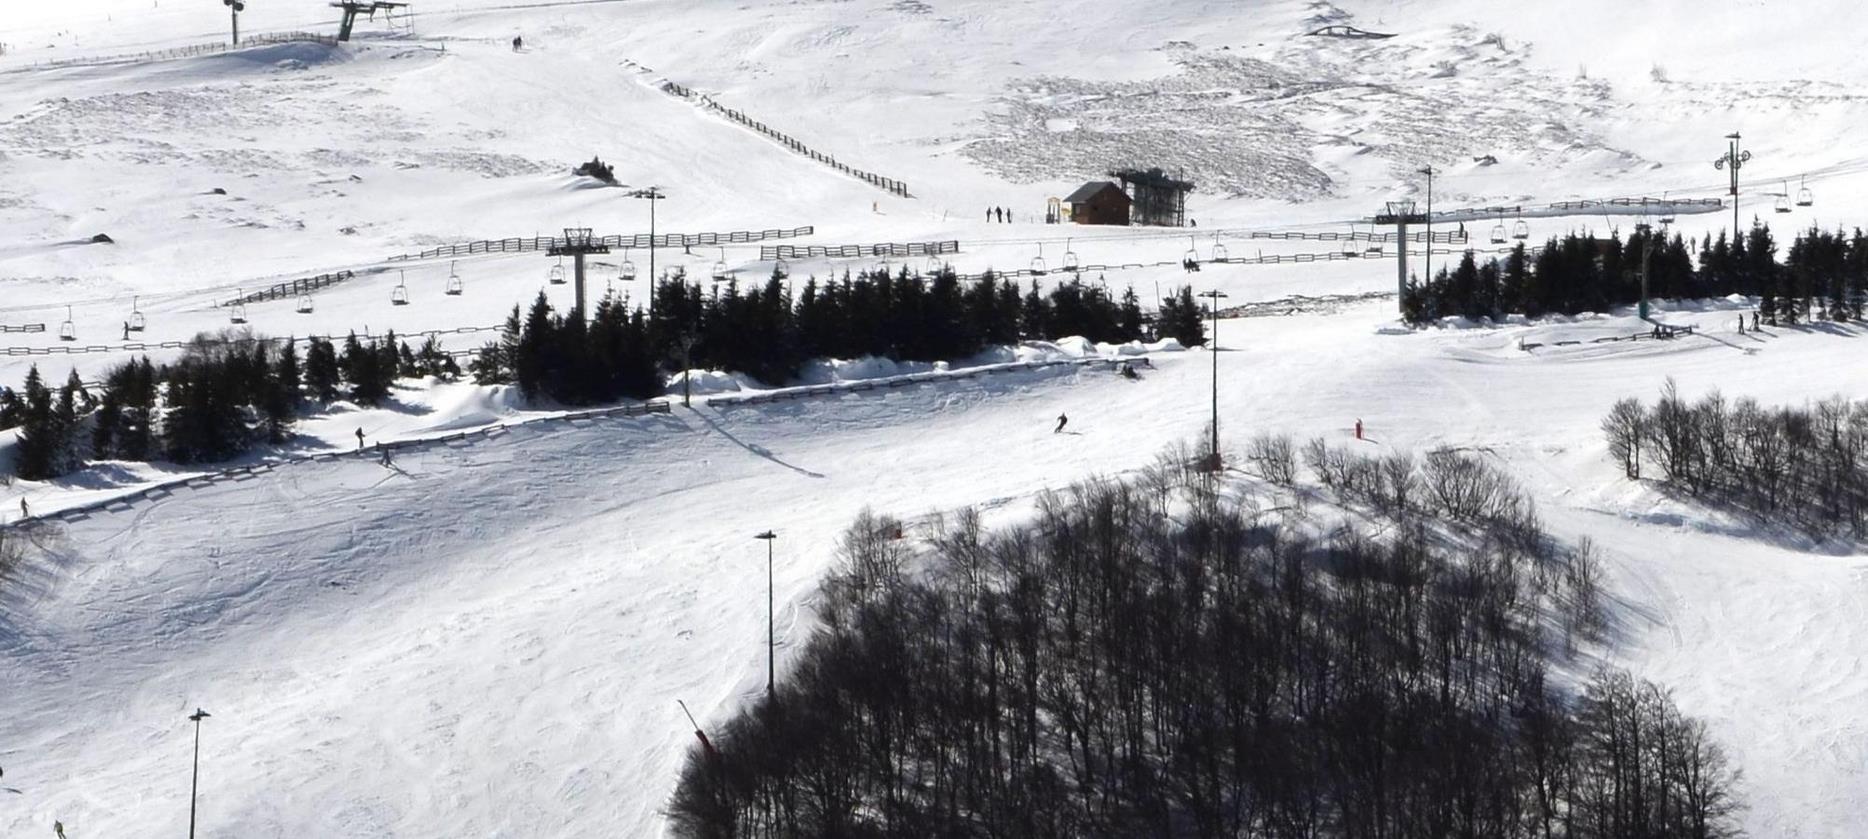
(1001,215)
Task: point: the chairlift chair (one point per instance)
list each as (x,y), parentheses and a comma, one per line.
(455,285)
(400,294)
(626,273)
(1349,244)
(1071,263)
(304,304)
(720,272)
(1666,209)
(1498,234)
(1037,263)
(1522,230)
(1219,252)
(1804,197)
(934,265)
(67,332)
(1191,256)
(136,316)
(238,315)
(1783,204)
(556,275)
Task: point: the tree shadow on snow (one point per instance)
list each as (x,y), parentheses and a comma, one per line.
(754,447)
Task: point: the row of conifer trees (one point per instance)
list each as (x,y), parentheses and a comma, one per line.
(226,394)
(1824,276)
(770,331)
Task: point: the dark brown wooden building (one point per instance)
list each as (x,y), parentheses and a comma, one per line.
(1099,202)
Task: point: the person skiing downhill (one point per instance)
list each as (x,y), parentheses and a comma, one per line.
(359,439)
(1061,422)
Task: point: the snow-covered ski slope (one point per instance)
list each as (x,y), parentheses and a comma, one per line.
(488,640)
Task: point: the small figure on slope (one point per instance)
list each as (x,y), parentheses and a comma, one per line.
(1061,422)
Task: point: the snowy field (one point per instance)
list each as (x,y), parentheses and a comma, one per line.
(489,639)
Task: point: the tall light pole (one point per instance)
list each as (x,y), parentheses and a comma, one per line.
(1427,249)
(236,7)
(1212,343)
(651,195)
(771,633)
(1733,161)
(194,783)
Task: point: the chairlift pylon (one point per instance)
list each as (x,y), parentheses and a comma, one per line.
(556,275)
(238,315)
(66,331)
(400,294)
(304,304)
(136,316)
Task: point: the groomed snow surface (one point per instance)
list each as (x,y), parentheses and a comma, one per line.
(489,637)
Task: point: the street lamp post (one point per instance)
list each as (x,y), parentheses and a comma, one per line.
(771,634)
(651,195)
(194,784)
(1427,247)
(1733,161)
(1212,343)
(236,7)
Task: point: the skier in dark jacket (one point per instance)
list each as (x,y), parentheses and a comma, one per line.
(1061,422)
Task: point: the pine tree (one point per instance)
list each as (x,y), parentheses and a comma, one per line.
(321,370)
(280,405)
(68,457)
(38,446)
